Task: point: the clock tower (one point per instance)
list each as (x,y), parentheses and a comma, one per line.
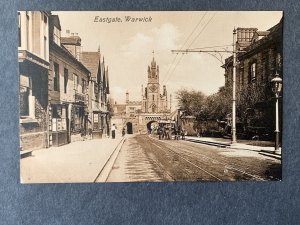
(153,101)
(153,88)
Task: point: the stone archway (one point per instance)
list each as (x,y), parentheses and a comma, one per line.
(129,128)
(150,125)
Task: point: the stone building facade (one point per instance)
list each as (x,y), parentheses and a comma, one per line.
(258,60)
(68,89)
(152,100)
(139,116)
(58,92)
(99,115)
(33,57)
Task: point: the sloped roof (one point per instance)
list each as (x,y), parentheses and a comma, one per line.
(92,61)
(55,21)
(72,40)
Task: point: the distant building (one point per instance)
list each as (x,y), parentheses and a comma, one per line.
(259,58)
(153,101)
(139,116)
(99,116)
(33,57)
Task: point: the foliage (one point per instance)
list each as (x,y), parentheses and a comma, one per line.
(190,101)
(217,106)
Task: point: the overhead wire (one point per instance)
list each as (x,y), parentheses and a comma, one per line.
(166,80)
(187,39)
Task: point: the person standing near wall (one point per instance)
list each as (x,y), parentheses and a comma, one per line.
(113,131)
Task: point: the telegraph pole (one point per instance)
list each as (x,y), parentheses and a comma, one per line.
(233,52)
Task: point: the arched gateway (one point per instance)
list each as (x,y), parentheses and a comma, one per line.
(151,125)
(129,128)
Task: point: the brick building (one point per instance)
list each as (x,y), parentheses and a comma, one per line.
(99,116)
(33,57)
(260,57)
(68,88)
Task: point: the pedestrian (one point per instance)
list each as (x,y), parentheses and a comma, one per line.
(82,134)
(159,133)
(90,133)
(164,134)
(176,133)
(170,133)
(182,134)
(123,131)
(113,131)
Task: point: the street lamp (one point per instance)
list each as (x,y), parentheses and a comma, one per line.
(277,85)
(233,126)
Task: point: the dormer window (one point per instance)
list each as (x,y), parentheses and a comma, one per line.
(56,35)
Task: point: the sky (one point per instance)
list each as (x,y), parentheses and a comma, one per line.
(128,46)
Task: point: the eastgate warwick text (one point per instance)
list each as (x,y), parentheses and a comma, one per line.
(143,19)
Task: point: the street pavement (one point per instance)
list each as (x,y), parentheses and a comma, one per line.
(249,145)
(79,161)
(145,158)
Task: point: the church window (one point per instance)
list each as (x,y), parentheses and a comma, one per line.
(153,108)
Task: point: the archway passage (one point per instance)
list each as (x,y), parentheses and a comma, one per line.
(129,128)
(151,125)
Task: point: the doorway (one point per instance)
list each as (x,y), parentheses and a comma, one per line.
(129,128)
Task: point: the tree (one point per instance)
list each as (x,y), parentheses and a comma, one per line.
(217,106)
(190,101)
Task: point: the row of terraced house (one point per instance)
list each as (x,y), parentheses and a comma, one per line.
(63,90)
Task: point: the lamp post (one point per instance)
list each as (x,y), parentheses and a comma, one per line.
(277,85)
(233,128)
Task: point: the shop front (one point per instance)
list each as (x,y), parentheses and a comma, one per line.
(60,125)
(97,125)
(78,120)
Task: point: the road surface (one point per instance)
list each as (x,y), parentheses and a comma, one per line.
(145,158)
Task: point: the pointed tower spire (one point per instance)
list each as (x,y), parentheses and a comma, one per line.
(104,77)
(107,79)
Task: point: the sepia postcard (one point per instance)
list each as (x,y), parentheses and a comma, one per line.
(150,96)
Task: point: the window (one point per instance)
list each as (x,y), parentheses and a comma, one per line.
(75,80)
(83,86)
(131,109)
(253,71)
(56,35)
(27,30)
(241,79)
(19,28)
(152,97)
(45,47)
(153,108)
(66,75)
(45,36)
(27,101)
(56,77)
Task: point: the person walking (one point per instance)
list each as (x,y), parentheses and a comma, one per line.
(170,133)
(113,131)
(182,134)
(176,133)
(123,131)
(159,131)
